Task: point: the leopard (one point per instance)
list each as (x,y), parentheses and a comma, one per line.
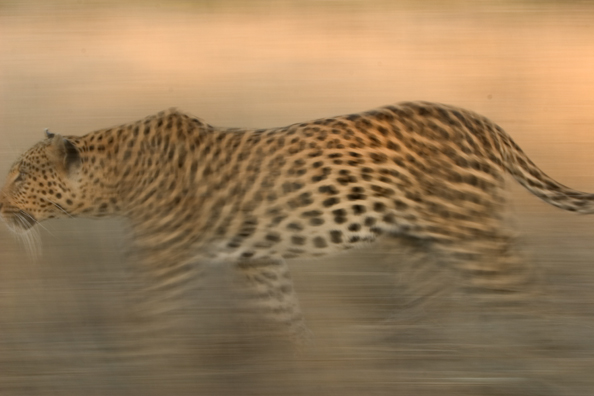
(430,174)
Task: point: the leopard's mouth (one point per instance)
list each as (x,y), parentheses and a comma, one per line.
(19,220)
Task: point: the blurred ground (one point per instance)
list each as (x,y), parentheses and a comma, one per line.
(78,66)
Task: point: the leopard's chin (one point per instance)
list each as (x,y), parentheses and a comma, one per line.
(19,222)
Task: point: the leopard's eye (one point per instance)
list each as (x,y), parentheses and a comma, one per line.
(20,177)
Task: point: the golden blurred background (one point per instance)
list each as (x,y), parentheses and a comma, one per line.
(76,66)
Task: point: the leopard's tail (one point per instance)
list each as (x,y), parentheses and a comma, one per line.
(517,163)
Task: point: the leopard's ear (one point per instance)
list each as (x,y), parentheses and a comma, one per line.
(63,153)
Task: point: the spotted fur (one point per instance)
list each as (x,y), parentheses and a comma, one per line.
(193,193)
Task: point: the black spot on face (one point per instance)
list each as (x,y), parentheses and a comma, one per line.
(376,230)
(298,240)
(389,218)
(356,193)
(336,236)
(370,221)
(320,242)
(354,227)
(340,220)
(378,158)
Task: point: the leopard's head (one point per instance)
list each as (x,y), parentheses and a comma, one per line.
(42,184)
